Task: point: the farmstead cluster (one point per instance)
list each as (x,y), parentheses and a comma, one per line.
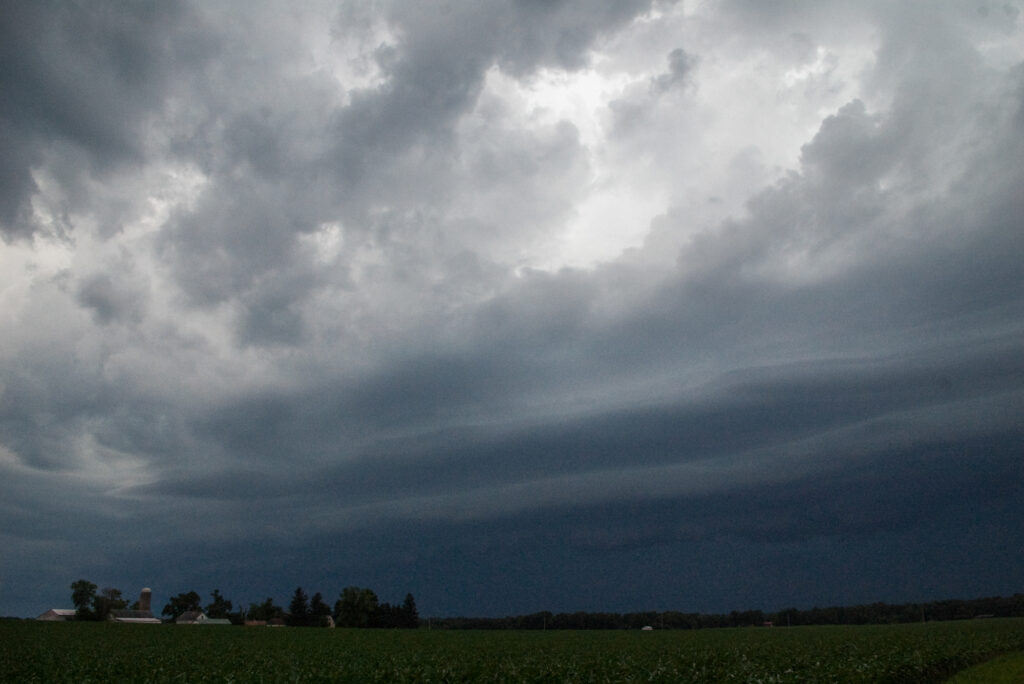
(354,607)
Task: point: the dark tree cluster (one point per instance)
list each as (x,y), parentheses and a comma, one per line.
(219,607)
(181,604)
(359,607)
(874,613)
(307,612)
(90,605)
(265,611)
(884,613)
(354,607)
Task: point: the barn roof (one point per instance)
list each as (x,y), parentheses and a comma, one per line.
(139,621)
(138,616)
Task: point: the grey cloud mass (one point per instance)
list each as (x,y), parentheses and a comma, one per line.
(515,306)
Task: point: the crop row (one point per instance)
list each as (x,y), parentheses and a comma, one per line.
(81,652)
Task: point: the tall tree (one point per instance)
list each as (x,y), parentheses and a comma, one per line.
(410,616)
(82,594)
(298,609)
(182,603)
(265,611)
(356,607)
(107,600)
(219,607)
(319,611)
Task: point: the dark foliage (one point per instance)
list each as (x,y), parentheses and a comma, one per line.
(182,603)
(359,607)
(298,609)
(319,612)
(874,613)
(266,611)
(90,605)
(83,592)
(218,607)
(107,600)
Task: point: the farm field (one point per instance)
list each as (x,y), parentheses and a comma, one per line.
(90,652)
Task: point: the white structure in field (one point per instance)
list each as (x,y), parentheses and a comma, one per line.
(196,617)
(142,616)
(57,615)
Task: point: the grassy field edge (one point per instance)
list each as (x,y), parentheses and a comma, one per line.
(912,653)
(1007,668)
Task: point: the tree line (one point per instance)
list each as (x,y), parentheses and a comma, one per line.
(354,607)
(874,613)
(360,607)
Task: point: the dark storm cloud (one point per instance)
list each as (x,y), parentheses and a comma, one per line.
(320,339)
(386,154)
(110,299)
(732,435)
(731,298)
(83,78)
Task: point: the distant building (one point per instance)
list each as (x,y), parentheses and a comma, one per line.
(142,616)
(137,617)
(58,615)
(197,617)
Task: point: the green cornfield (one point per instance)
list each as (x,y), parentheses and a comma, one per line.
(90,652)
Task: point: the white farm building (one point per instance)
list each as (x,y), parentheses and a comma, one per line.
(57,615)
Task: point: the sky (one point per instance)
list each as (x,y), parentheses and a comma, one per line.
(613,305)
